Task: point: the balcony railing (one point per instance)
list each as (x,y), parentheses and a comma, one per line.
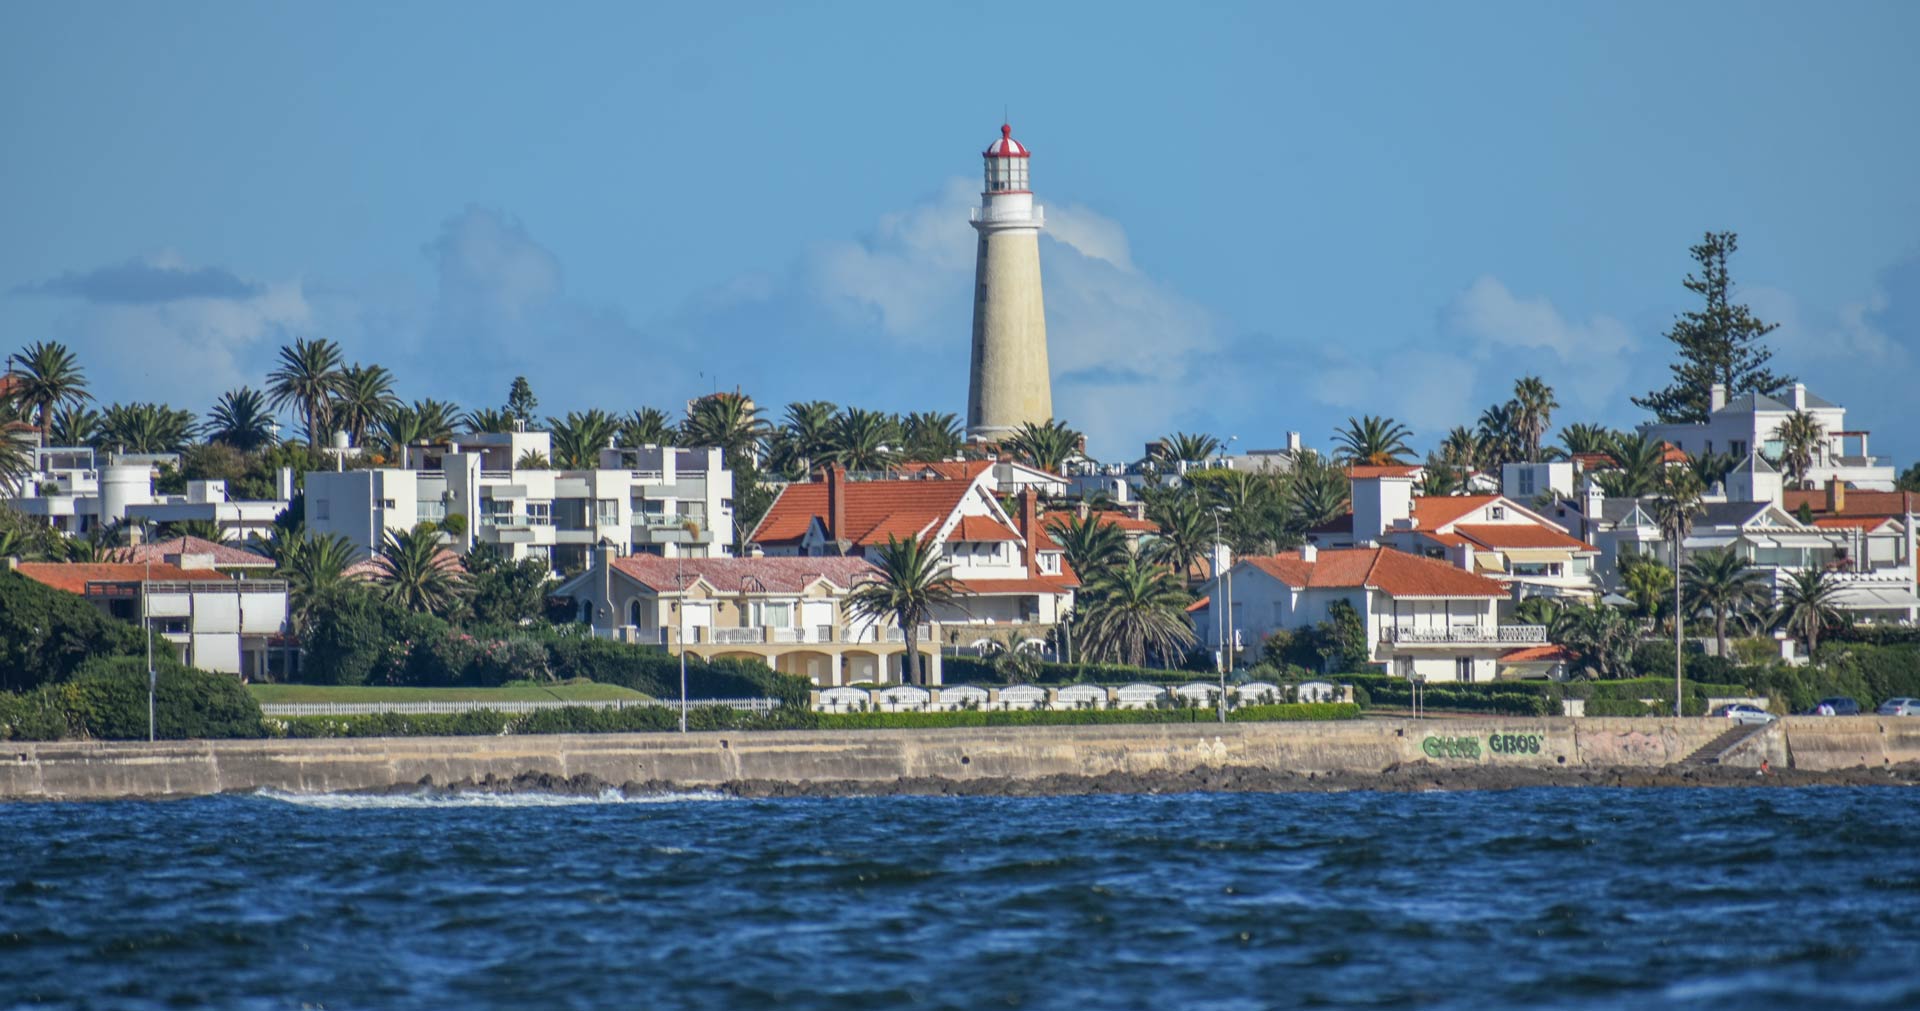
(1465,634)
(739,636)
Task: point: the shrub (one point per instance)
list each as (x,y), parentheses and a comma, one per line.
(32,716)
(107,699)
(46,634)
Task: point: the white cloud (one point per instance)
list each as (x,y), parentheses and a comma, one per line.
(1588,363)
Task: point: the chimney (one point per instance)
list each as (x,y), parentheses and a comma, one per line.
(283,485)
(836,502)
(1030,526)
(1293,442)
(1717,397)
(1799,396)
(1309,553)
(1836,497)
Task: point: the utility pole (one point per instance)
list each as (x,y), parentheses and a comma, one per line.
(146,625)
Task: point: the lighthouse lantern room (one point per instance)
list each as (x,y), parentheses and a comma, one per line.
(1006,164)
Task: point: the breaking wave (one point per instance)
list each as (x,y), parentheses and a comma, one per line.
(477,798)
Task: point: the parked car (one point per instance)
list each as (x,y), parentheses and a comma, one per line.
(1838,705)
(1740,712)
(1899,707)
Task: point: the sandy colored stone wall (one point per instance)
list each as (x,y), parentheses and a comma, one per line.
(84,770)
(1847,742)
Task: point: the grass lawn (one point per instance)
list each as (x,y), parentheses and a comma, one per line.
(289,694)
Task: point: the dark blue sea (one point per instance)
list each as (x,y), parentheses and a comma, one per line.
(1561,898)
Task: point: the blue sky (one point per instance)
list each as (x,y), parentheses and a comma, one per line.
(1261,218)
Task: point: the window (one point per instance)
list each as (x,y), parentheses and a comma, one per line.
(1526,480)
(322,509)
(1463,668)
(430,511)
(1737,447)
(776,615)
(609,512)
(387,503)
(1496,512)
(540,514)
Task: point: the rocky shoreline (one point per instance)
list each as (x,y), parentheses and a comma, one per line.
(1407,778)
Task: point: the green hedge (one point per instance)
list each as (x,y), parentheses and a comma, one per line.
(641,719)
(978,670)
(47,635)
(107,699)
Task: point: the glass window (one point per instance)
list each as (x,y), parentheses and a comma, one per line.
(540,513)
(609,511)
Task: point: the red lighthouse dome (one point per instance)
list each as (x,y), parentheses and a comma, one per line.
(1006,163)
(1006,146)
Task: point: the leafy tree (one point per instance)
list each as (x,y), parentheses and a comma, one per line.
(1910,478)
(521,403)
(1647,581)
(729,421)
(1808,606)
(1341,640)
(307,377)
(913,583)
(418,574)
(46,634)
(1135,609)
(1718,343)
(1046,447)
(1373,440)
(48,376)
(1674,507)
(1722,584)
(1800,437)
(241,419)
(503,591)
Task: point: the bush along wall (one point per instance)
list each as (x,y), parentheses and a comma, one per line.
(107,699)
(642,719)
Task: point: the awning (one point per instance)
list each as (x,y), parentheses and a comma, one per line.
(1541,555)
(1704,542)
(1802,541)
(1875,598)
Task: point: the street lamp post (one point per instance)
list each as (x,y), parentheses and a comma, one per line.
(680,577)
(1223,607)
(153,680)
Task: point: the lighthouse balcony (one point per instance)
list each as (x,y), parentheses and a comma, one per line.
(1014,216)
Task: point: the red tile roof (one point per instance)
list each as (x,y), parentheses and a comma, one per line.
(1395,573)
(1858,503)
(1851,522)
(1107,517)
(874,509)
(1367,470)
(743,575)
(1520,535)
(1537,654)
(1431,512)
(982,528)
(951,470)
(375,568)
(224,555)
(1032,584)
(73,577)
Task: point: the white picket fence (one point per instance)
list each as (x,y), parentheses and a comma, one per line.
(420,708)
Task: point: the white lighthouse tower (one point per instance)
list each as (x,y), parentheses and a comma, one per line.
(1010,383)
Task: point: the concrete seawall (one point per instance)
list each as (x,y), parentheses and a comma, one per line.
(93,770)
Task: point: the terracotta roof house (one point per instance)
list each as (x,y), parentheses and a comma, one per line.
(1423,617)
(788,612)
(215,622)
(1010,571)
(199,553)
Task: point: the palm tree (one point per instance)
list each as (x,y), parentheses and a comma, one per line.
(1317,493)
(1440,478)
(1600,635)
(314,567)
(647,426)
(1808,606)
(931,435)
(16,463)
(241,419)
(48,376)
(912,583)
(533,459)
(1185,447)
(1581,437)
(402,427)
(365,395)
(75,425)
(1499,432)
(1186,533)
(1134,609)
(1646,581)
(1462,448)
(1674,508)
(1800,438)
(1046,447)
(146,428)
(438,419)
(417,573)
(807,437)
(1711,468)
(1721,583)
(307,377)
(1089,543)
(864,440)
(488,419)
(1532,408)
(1642,461)
(1373,440)
(579,438)
(729,421)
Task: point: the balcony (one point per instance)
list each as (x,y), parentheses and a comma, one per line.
(739,636)
(1466,635)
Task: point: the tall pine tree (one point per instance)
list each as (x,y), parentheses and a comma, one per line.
(1719,343)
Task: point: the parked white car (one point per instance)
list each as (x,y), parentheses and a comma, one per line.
(1899,707)
(1740,712)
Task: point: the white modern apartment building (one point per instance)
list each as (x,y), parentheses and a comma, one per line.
(1750,423)
(73,492)
(660,500)
(213,621)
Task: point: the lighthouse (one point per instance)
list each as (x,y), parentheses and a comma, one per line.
(1010,385)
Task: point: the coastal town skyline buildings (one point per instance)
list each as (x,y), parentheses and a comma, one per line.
(1165,310)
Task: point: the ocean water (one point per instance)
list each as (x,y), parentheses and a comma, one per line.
(1557,898)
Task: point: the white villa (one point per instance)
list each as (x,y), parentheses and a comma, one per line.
(1750,423)
(215,622)
(70,490)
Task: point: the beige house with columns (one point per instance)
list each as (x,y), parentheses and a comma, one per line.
(788,613)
